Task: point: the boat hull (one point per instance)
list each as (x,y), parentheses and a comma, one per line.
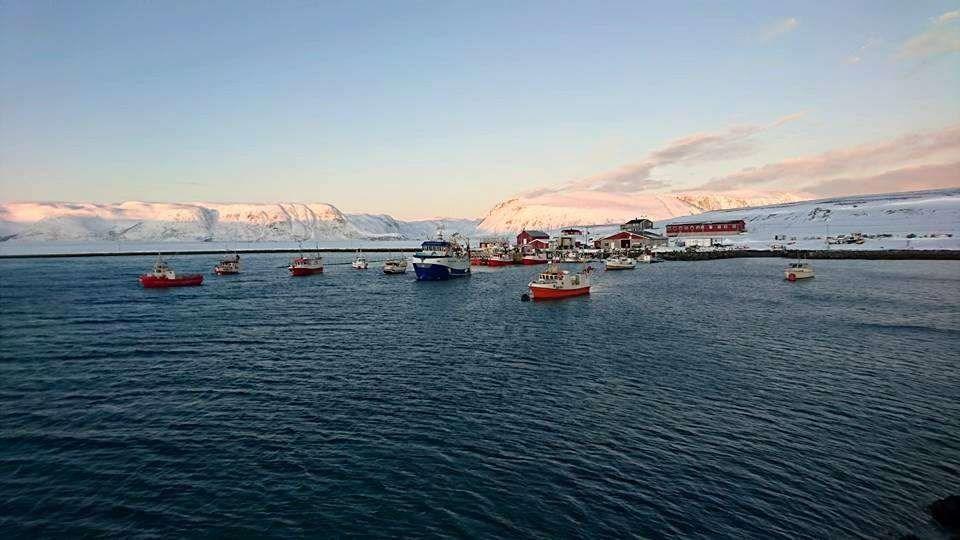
(794,276)
(221,272)
(550,293)
(438,272)
(499,262)
(154,282)
(530,262)
(299,272)
(610,267)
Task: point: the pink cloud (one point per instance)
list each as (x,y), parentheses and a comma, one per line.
(905,179)
(703,147)
(864,159)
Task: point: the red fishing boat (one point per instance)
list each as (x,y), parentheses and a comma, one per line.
(554,283)
(500,260)
(164,276)
(534,259)
(305,266)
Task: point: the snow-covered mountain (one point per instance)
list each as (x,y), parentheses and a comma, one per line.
(919,219)
(559,209)
(222,222)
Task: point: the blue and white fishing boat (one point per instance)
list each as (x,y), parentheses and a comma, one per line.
(441,259)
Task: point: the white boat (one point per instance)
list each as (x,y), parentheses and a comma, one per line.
(395,266)
(228,266)
(649,258)
(571,257)
(798,270)
(619,263)
(360,262)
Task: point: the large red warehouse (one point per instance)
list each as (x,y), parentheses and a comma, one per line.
(707,228)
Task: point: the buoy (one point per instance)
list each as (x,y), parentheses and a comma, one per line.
(791,277)
(524,297)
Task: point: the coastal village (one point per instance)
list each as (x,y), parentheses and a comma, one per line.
(636,239)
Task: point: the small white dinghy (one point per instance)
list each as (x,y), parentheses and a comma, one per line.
(619,263)
(798,270)
(395,266)
(360,262)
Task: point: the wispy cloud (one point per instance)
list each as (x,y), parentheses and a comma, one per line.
(941,37)
(864,159)
(732,142)
(856,57)
(947,17)
(779,28)
(914,178)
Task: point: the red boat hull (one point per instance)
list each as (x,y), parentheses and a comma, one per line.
(305,271)
(534,261)
(477,261)
(153,282)
(543,293)
(498,262)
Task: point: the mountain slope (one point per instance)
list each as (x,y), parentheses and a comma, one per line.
(556,210)
(143,221)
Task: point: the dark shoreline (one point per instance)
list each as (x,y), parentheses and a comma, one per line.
(892,254)
(874,255)
(204,252)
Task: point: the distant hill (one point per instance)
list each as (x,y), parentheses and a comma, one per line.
(557,210)
(221,222)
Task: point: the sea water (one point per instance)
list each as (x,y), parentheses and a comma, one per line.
(687,399)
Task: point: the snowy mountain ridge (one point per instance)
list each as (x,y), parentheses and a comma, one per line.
(236,222)
(557,210)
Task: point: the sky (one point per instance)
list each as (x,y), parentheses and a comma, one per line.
(446,108)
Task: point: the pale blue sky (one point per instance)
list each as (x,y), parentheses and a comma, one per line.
(429,108)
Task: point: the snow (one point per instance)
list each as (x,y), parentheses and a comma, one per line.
(137,221)
(932,218)
(585,208)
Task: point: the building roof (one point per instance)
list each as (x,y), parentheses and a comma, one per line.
(535,234)
(638,221)
(707,222)
(642,234)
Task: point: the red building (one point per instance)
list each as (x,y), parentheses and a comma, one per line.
(526,236)
(707,228)
(538,243)
(630,240)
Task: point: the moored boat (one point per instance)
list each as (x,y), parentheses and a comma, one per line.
(228,266)
(163,276)
(534,258)
(306,266)
(440,260)
(619,263)
(554,283)
(649,258)
(360,261)
(798,270)
(395,266)
(502,259)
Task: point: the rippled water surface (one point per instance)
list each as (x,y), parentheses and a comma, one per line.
(700,400)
